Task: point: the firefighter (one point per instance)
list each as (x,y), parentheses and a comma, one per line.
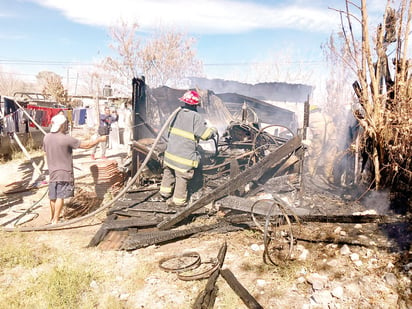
(322,146)
(181,155)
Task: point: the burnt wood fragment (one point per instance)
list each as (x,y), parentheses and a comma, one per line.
(133,199)
(393,236)
(239,289)
(129,223)
(353,218)
(291,161)
(102,232)
(250,174)
(144,239)
(244,205)
(148,207)
(234,171)
(138,213)
(206,298)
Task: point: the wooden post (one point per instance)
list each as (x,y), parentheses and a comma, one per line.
(206,298)
(239,289)
(36,168)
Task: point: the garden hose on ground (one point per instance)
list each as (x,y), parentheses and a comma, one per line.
(29,210)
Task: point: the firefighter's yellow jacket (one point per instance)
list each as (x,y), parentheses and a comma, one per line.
(184,133)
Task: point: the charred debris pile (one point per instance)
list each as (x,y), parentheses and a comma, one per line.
(250,179)
(242,155)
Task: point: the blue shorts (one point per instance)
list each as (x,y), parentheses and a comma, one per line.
(60,189)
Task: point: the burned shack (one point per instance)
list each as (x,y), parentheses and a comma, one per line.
(274,91)
(241,159)
(266,113)
(247,171)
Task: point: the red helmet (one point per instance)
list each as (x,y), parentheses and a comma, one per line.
(191,97)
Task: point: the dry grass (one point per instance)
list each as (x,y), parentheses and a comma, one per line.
(37,276)
(17,251)
(54,270)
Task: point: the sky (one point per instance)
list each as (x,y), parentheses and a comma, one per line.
(65,36)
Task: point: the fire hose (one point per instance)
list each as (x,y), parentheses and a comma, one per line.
(109,203)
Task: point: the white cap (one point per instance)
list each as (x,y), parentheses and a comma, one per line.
(57,121)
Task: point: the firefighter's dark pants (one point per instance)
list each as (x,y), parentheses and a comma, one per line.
(175,183)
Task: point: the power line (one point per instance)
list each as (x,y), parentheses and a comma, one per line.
(42,62)
(264,63)
(50,62)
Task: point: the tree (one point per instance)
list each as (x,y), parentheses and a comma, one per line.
(164,59)
(51,84)
(9,84)
(169,57)
(125,64)
(384,90)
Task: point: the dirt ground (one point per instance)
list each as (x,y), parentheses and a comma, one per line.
(333,265)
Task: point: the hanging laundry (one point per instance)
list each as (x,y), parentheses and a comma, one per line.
(46,115)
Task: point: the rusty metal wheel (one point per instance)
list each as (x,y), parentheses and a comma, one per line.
(277,231)
(203,271)
(179,263)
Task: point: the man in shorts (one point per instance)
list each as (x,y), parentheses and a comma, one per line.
(58,146)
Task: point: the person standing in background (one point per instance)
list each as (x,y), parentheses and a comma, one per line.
(128,128)
(322,146)
(114,137)
(105,121)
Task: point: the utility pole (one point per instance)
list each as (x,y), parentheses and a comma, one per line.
(68,78)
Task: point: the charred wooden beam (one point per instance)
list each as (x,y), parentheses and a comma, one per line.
(354,218)
(130,223)
(144,150)
(260,208)
(291,161)
(144,239)
(145,207)
(136,200)
(393,236)
(306,109)
(112,224)
(244,205)
(138,212)
(239,289)
(206,298)
(102,232)
(253,173)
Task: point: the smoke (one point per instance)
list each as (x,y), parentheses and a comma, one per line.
(378,201)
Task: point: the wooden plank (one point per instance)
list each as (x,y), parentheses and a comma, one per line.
(113,240)
(101,233)
(144,239)
(206,298)
(245,205)
(128,223)
(239,289)
(253,173)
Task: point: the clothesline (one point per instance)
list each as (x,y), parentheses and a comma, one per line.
(39,116)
